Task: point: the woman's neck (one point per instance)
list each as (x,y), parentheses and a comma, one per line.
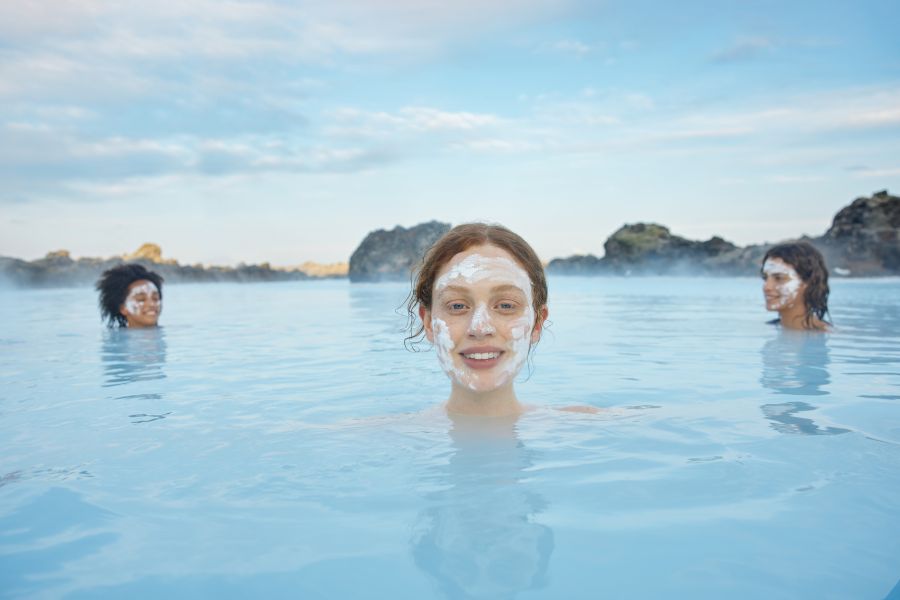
(797,316)
(496,403)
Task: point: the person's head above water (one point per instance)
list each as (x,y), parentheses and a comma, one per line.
(481,298)
(130,296)
(795,284)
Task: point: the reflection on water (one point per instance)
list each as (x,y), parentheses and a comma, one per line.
(131,355)
(796,363)
(477,537)
(784,421)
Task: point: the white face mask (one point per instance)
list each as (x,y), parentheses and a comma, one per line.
(514,334)
(789,287)
(135,306)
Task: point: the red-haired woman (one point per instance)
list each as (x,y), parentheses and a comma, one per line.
(481,299)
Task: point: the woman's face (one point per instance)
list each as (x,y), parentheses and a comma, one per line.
(142,304)
(482,319)
(782,285)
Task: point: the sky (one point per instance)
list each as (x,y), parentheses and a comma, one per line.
(284,131)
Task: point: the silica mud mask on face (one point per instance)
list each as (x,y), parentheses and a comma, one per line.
(444,347)
(475,268)
(789,288)
(520,331)
(132,305)
(481,321)
(499,271)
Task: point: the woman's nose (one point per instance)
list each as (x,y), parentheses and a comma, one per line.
(480,324)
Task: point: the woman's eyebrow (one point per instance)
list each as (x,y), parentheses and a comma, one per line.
(507,288)
(453,289)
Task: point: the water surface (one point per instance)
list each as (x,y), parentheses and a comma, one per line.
(277,440)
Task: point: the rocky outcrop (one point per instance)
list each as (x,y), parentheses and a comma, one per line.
(864,237)
(651,249)
(864,240)
(150,253)
(59,269)
(581,264)
(392,255)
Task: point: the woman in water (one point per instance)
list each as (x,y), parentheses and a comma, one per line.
(130,296)
(481,298)
(795,284)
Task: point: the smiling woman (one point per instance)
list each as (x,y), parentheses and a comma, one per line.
(130,296)
(795,284)
(481,299)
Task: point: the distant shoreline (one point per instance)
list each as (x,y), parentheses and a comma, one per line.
(862,242)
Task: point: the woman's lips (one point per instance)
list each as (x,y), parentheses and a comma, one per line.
(481,357)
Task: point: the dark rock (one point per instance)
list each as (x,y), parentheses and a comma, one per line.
(864,238)
(648,247)
(392,255)
(586,264)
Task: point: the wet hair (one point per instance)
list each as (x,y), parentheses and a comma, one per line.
(459,239)
(810,266)
(113,288)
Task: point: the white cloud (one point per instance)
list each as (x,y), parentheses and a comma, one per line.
(303,30)
(572,47)
(419,119)
(802,179)
(875,173)
(745,48)
(497,145)
(30,19)
(875,117)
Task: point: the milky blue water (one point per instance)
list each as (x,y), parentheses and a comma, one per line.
(278,441)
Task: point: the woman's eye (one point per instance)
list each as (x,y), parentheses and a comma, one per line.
(506,306)
(457,306)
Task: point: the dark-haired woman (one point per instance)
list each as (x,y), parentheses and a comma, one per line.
(130,296)
(795,284)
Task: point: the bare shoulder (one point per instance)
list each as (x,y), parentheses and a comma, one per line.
(588,410)
(616,411)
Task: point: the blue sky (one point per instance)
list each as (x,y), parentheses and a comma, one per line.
(284,131)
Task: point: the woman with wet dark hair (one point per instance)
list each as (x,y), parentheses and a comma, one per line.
(795,284)
(130,296)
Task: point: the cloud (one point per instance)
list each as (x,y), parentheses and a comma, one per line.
(867,173)
(298,30)
(354,122)
(571,47)
(497,145)
(802,179)
(31,19)
(874,117)
(55,159)
(745,49)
